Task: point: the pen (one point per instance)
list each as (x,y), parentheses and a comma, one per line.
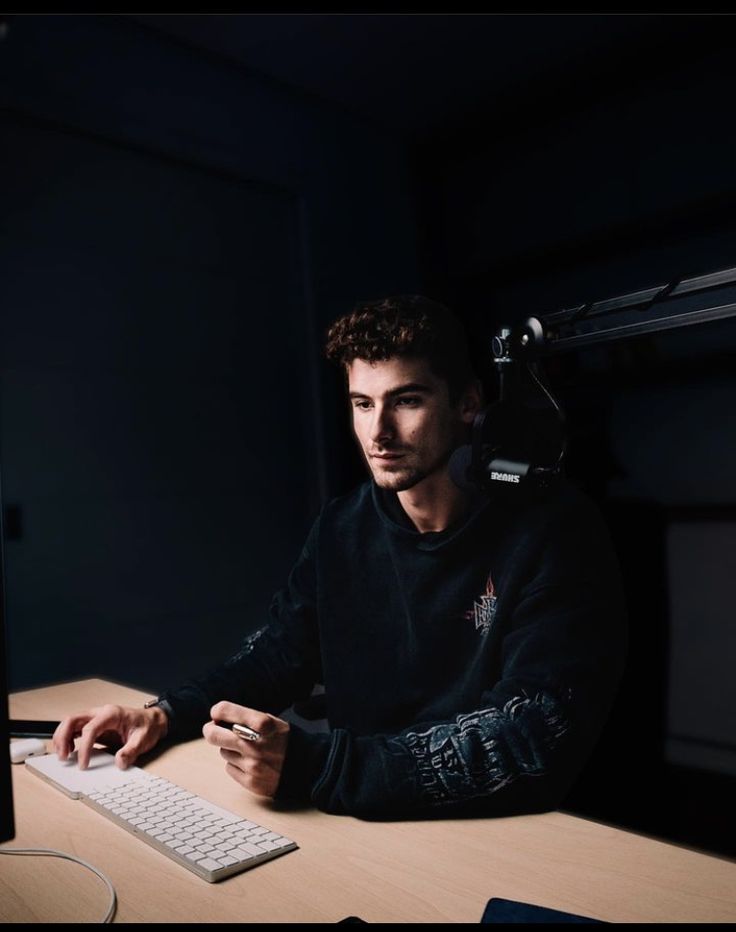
(241,730)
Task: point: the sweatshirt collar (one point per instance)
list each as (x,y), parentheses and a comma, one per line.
(397,521)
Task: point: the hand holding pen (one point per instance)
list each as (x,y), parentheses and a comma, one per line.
(253,743)
(248,733)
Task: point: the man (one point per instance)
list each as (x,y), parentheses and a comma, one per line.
(469,649)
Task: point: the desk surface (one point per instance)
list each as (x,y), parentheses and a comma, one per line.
(438,871)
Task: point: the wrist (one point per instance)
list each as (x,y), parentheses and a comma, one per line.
(156,712)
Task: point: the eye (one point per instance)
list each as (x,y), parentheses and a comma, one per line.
(363,405)
(409,401)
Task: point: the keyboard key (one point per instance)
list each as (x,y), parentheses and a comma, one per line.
(213,842)
(241,854)
(225,860)
(248,848)
(228,845)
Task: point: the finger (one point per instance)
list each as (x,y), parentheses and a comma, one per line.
(240,776)
(104,720)
(258,771)
(66,731)
(253,783)
(132,749)
(220,737)
(232,757)
(253,718)
(111,740)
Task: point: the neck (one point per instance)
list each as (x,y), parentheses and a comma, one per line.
(434,503)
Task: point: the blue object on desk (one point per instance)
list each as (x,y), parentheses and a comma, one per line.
(499,910)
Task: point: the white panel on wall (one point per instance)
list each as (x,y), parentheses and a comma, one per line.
(701,730)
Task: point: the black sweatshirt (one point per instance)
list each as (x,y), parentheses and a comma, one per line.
(467,670)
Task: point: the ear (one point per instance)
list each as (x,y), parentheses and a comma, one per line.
(471,401)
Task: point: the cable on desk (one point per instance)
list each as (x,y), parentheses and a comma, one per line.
(51,852)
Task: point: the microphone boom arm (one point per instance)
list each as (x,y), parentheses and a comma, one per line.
(501,452)
(585,325)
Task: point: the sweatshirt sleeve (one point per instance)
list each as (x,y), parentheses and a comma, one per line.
(274,666)
(531,731)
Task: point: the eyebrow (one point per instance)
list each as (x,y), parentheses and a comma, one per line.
(401,390)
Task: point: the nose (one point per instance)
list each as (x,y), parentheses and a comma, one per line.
(382,427)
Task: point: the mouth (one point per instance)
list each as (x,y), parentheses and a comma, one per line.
(386,460)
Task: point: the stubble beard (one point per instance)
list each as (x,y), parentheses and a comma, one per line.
(398,481)
(405,477)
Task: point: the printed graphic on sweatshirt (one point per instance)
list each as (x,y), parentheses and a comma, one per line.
(483,751)
(483,612)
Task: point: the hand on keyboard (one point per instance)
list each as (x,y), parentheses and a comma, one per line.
(210,841)
(138,730)
(255,765)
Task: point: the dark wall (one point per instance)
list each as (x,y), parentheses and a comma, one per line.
(584,189)
(176,233)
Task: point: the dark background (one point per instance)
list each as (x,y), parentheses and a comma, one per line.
(187,202)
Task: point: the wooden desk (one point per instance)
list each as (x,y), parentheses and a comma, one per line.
(439,871)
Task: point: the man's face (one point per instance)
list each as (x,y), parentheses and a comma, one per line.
(403,420)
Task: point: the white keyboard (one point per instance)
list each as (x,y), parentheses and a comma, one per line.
(210,841)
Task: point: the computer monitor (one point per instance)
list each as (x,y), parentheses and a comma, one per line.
(7,823)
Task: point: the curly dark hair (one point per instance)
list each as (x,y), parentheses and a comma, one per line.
(406,325)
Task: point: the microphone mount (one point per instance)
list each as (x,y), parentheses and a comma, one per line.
(519,441)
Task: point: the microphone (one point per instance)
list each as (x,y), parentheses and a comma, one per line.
(515,449)
(518,444)
(496,470)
